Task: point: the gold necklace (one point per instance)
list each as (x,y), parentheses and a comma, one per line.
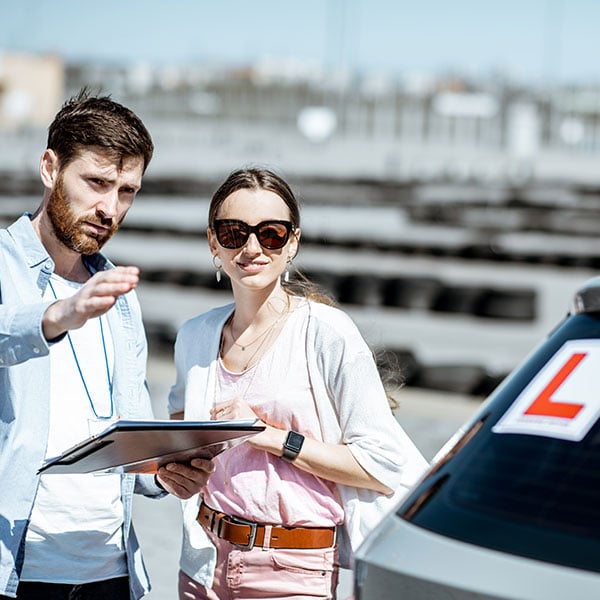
(243,347)
(244,373)
(265,337)
(255,368)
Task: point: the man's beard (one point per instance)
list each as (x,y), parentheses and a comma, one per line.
(69,230)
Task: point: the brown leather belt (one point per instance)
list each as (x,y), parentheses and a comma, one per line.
(248,534)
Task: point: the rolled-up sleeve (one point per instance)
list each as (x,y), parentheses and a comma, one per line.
(361,409)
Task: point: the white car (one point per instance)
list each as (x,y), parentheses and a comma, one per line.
(510,508)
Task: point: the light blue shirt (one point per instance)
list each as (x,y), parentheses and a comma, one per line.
(25,269)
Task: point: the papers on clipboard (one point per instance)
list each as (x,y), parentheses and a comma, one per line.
(144,446)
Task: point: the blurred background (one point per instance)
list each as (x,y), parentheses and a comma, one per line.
(446,155)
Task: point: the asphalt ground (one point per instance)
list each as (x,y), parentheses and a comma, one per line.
(430,418)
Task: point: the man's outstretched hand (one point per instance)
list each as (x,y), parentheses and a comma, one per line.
(96,297)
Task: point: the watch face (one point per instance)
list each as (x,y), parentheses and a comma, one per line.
(294,441)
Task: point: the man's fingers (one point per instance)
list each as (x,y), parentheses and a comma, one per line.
(198,470)
(204,464)
(97,305)
(107,286)
(184,480)
(127,277)
(94,299)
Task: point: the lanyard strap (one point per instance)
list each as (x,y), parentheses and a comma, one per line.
(110,385)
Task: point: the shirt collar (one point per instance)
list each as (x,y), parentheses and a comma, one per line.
(24,234)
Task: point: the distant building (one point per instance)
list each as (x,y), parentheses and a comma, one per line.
(206,117)
(31,90)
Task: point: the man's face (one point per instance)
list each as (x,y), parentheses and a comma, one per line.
(90,199)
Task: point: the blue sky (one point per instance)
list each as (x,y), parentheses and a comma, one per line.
(532,40)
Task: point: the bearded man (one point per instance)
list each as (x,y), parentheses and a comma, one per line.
(72,360)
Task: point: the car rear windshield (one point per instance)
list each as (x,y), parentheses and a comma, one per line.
(530,495)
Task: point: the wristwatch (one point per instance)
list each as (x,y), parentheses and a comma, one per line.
(292,445)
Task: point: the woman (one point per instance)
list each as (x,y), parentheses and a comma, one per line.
(286,507)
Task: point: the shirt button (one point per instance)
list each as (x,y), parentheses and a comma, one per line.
(36,350)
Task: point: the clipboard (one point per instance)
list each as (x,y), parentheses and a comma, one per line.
(144,446)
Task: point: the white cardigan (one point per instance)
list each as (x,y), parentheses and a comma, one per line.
(352,407)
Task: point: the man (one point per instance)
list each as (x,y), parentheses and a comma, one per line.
(72,360)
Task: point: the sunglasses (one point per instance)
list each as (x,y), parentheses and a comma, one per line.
(233,234)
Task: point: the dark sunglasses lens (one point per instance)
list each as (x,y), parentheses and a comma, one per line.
(232,235)
(273,235)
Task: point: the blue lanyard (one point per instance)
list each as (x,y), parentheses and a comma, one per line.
(110,386)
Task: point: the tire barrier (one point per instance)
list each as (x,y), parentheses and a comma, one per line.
(457,299)
(491,226)
(515,304)
(414,292)
(172,276)
(488,384)
(494,248)
(326,281)
(458,379)
(518,215)
(408,293)
(411,293)
(364,290)
(161,338)
(506,304)
(400,367)
(185,278)
(397,367)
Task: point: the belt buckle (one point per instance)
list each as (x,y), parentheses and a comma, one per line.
(239,521)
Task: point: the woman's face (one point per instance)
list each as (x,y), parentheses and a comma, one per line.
(254,266)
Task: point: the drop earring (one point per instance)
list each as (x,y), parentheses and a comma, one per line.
(286,274)
(218,266)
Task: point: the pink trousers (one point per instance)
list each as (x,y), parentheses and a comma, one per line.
(274,573)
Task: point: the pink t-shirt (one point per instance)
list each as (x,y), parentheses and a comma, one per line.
(254,484)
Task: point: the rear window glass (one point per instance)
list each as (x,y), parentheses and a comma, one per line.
(531,495)
(541,481)
(528,495)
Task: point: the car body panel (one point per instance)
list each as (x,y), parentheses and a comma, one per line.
(510,508)
(428,566)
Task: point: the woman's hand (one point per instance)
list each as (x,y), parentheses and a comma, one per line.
(334,462)
(236,408)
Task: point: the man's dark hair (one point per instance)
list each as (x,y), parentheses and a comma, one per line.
(86,121)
